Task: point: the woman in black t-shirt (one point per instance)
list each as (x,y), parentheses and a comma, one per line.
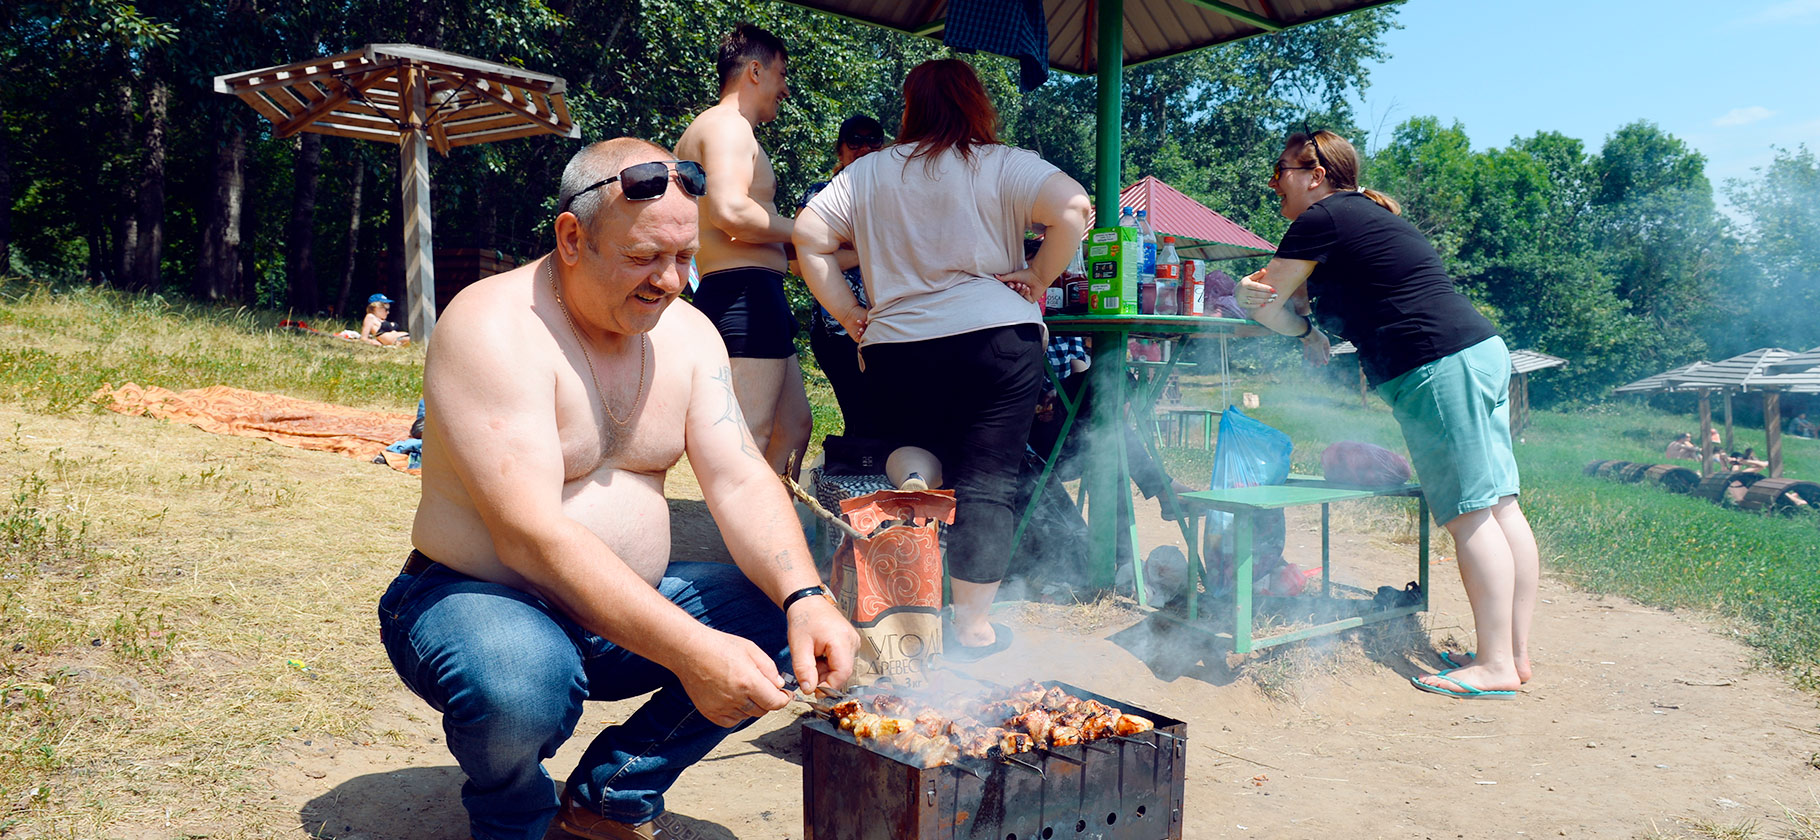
(1375,281)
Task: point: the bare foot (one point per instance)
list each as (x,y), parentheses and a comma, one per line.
(975,635)
(1482,679)
(1465,660)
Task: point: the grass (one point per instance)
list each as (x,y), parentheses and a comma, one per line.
(155,585)
(58,347)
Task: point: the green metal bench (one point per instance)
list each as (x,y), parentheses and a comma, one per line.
(1246,502)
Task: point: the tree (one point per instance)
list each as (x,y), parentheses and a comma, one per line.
(1781,240)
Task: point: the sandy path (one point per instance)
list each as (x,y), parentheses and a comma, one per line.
(1636,717)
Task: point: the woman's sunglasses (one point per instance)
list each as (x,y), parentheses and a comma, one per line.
(646,181)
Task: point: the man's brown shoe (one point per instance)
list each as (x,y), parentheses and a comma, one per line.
(579,820)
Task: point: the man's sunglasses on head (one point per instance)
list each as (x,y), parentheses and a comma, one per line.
(646,181)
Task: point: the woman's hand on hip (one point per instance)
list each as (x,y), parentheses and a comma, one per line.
(1025,283)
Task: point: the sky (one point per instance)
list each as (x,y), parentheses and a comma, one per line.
(1732,79)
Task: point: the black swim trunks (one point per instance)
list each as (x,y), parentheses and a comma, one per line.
(748,306)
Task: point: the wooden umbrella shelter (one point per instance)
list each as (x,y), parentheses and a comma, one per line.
(419,98)
(1753,371)
(1522,364)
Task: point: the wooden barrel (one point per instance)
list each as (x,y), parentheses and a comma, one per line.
(1773,494)
(1714,488)
(1672,478)
(1633,473)
(1609,469)
(1598,467)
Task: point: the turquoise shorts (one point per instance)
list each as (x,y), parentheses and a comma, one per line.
(1455,414)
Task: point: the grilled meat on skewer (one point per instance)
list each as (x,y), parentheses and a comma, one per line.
(1132,725)
(1028,717)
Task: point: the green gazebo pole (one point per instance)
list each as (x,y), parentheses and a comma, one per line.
(1106,485)
(1112,93)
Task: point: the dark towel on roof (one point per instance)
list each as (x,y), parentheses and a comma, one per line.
(1012,28)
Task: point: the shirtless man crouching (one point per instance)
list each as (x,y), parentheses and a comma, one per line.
(742,257)
(558,396)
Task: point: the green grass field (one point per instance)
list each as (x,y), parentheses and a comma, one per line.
(1761,572)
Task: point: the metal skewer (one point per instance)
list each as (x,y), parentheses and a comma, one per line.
(1024,764)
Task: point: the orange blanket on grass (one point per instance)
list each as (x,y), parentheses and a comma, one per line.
(305,424)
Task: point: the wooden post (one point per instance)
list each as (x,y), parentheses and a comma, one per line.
(1729,448)
(1363,402)
(414,184)
(1772,428)
(1706,433)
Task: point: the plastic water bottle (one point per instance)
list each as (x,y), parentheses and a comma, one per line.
(1168,279)
(1146,266)
(1126,219)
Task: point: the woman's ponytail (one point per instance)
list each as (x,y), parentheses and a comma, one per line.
(1384,201)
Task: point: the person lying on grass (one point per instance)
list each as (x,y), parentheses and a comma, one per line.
(558,396)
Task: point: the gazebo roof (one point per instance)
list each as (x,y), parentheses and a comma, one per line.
(1530,361)
(1199,232)
(1740,372)
(1664,381)
(359,94)
(1797,362)
(1152,29)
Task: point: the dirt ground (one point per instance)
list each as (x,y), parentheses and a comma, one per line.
(1637,720)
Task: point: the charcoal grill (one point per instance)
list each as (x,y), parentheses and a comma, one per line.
(1126,788)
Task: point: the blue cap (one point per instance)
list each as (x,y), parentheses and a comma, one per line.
(380,298)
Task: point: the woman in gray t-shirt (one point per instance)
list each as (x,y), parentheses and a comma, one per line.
(954,332)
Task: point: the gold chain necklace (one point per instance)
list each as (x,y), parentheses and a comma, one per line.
(643,349)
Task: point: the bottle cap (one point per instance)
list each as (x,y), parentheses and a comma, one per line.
(1169,239)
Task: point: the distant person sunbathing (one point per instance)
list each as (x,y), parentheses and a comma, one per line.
(375,329)
(1683,447)
(1748,460)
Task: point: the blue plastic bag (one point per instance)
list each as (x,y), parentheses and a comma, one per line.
(1249,453)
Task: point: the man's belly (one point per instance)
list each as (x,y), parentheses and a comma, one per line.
(625,510)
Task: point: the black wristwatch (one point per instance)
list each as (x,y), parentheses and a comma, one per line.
(805,592)
(1305,333)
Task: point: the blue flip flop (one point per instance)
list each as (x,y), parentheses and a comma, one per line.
(1447,657)
(1466,692)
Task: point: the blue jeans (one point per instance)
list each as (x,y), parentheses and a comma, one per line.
(509,674)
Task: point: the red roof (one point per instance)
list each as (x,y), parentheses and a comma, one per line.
(1199,232)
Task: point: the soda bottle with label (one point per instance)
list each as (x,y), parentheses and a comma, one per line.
(1168,279)
(1074,286)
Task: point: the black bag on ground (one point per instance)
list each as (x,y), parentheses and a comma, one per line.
(847,455)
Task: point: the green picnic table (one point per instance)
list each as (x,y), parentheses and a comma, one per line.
(1244,503)
(1106,481)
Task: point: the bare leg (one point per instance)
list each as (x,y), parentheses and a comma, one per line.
(757,383)
(972,601)
(1527,562)
(1489,573)
(791,422)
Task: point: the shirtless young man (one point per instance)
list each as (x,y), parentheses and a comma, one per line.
(742,258)
(559,394)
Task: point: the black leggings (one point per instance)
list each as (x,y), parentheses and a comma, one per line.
(968,398)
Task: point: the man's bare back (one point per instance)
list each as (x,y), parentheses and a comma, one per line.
(718,136)
(613,477)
